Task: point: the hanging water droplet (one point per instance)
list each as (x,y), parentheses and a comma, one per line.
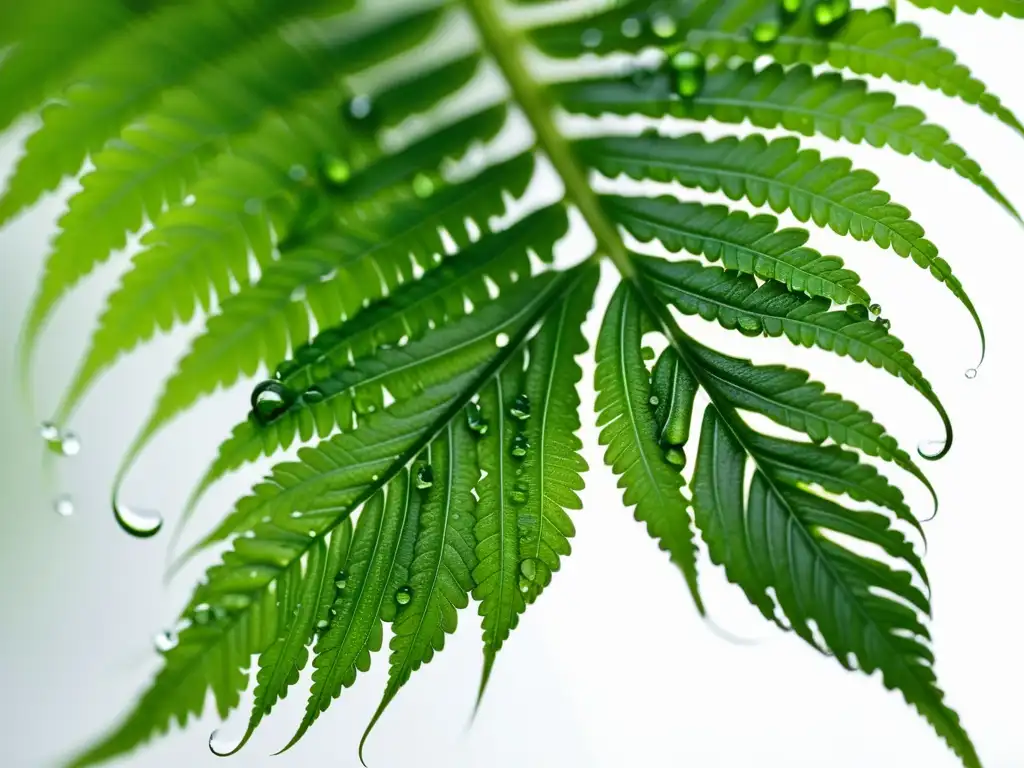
(690,71)
(765,33)
(524,585)
(520,445)
(70,445)
(341,579)
(501,340)
(313,395)
(675,456)
(165,640)
(403,596)
(664,26)
(270,399)
(647,353)
(591,38)
(335,170)
(521,407)
(201,614)
(528,568)
(141,524)
(829,15)
(790,9)
(631,27)
(424,477)
(654,400)
(423,185)
(49,431)
(971,373)
(875,309)
(64,505)
(475,419)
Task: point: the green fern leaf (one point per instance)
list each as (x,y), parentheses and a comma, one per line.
(651,484)
(795,99)
(753,246)
(784,177)
(780,539)
(994,8)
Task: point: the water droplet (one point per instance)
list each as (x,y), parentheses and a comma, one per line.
(631,27)
(335,170)
(749,326)
(270,399)
(591,38)
(365,404)
(341,579)
(49,431)
(971,373)
(64,505)
(829,15)
(520,445)
(664,26)
(70,445)
(313,395)
(765,33)
(528,568)
(875,309)
(475,419)
(690,70)
(674,455)
(501,340)
(521,407)
(423,185)
(165,641)
(404,595)
(790,9)
(424,477)
(322,624)
(359,107)
(654,400)
(141,524)
(201,614)
(298,172)
(524,586)
(520,494)
(647,353)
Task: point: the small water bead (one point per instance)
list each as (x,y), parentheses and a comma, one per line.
(49,431)
(632,27)
(520,494)
(591,38)
(520,446)
(829,15)
(424,477)
(423,185)
(690,71)
(64,505)
(270,399)
(528,568)
(971,373)
(341,579)
(201,615)
(766,33)
(675,456)
(140,524)
(335,170)
(165,641)
(359,107)
(875,309)
(521,407)
(70,445)
(654,400)
(323,624)
(664,26)
(501,340)
(404,595)
(313,395)
(524,585)
(475,419)
(790,9)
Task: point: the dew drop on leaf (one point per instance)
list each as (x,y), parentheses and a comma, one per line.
(403,596)
(475,419)
(501,340)
(335,170)
(341,579)
(664,26)
(654,400)
(521,407)
(297,172)
(766,33)
(423,185)
(201,614)
(49,431)
(64,505)
(528,568)
(520,446)
(424,477)
(631,27)
(140,524)
(591,38)
(875,309)
(884,323)
(322,624)
(165,640)
(829,15)
(313,395)
(790,9)
(70,445)
(749,326)
(690,71)
(359,108)
(270,399)
(524,586)
(520,494)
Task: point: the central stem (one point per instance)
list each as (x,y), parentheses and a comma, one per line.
(504,44)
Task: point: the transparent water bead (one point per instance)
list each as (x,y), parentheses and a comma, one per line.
(64,505)
(142,524)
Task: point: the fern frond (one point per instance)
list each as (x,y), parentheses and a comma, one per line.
(781,175)
(751,245)
(781,539)
(157,159)
(795,99)
(994,8)
(626,416)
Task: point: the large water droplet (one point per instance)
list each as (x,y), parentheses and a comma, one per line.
(528,568)
(341,579)
(424,477)
(524,585)
(298,172)
(520,494)
(49,431)
(70,445)
(165,640)
(766,33)
(403,596)
(323,624)
(313,395)
(475,419)
(690,71)
(501,340)
(521,407)
(664,26)
(270,399)
(335,170)
(875,309)
(520,445)
(141,524)
(64,505)
(971,373)
(654,400)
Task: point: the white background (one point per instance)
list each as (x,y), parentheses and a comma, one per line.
(613,667)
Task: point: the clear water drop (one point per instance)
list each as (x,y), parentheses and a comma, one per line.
(690,72)
(424,477)
(140,524)
(524,585)
(475,419)
(165,640)
(423,185)
(528,568)
(501,340)
(664,26)
(875,309)
(520,445)
(829,15)
(632,27)
(70,445)
(520,494)
(201,614)
(654,400)
(49,431)
(971,373)
(341,579)
(403,596)
(359,107)
(313,395)
(335,170)
(270,399)
(322,624)
(884,323)
(64,505)
(591,38)
(790,9)
(521,407)
(766,33)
